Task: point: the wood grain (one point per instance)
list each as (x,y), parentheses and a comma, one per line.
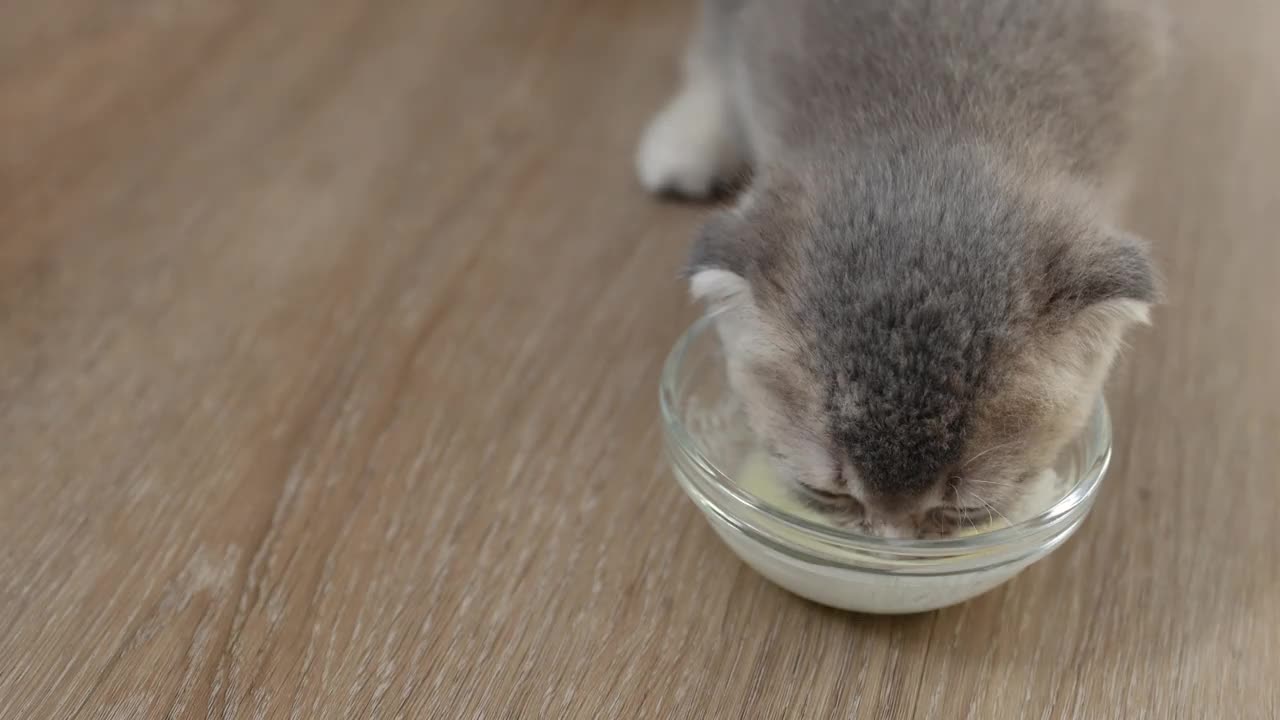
(329,341)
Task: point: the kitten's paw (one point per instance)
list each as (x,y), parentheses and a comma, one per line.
(688,149)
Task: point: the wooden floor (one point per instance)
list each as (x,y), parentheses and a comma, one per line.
(329,342)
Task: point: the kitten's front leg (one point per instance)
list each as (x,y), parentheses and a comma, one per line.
(693,147)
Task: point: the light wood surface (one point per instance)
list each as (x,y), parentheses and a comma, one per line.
(329,342)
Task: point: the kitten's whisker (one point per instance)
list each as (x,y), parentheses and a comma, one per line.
(991,449)
(990,508)
(989,482)
(983,505)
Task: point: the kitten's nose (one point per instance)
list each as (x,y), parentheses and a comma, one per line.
(887,514)
(890,526)
(885,504)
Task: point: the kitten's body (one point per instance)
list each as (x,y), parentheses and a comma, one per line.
(1054,82)
(921,271)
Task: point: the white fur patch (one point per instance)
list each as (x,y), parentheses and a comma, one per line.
(715,287)
(1129,312)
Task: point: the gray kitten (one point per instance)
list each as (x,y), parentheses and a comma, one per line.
(920,292)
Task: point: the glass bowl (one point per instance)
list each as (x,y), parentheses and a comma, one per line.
(707,438)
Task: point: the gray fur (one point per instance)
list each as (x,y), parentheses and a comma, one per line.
(925,238)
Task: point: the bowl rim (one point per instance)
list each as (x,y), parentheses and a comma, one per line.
(742,509)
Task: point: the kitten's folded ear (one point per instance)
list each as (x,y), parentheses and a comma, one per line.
(717,266)
(1107,274)
(718,269)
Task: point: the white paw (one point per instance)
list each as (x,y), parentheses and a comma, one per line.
(688,149)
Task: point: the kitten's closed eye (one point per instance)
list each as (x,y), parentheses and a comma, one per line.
(839,505)
(956,515)
(824,495)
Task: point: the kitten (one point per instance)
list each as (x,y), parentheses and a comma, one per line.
(920,292)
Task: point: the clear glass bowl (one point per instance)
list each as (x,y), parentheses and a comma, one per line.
(706,436)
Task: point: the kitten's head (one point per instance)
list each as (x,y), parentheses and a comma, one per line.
(911,351)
